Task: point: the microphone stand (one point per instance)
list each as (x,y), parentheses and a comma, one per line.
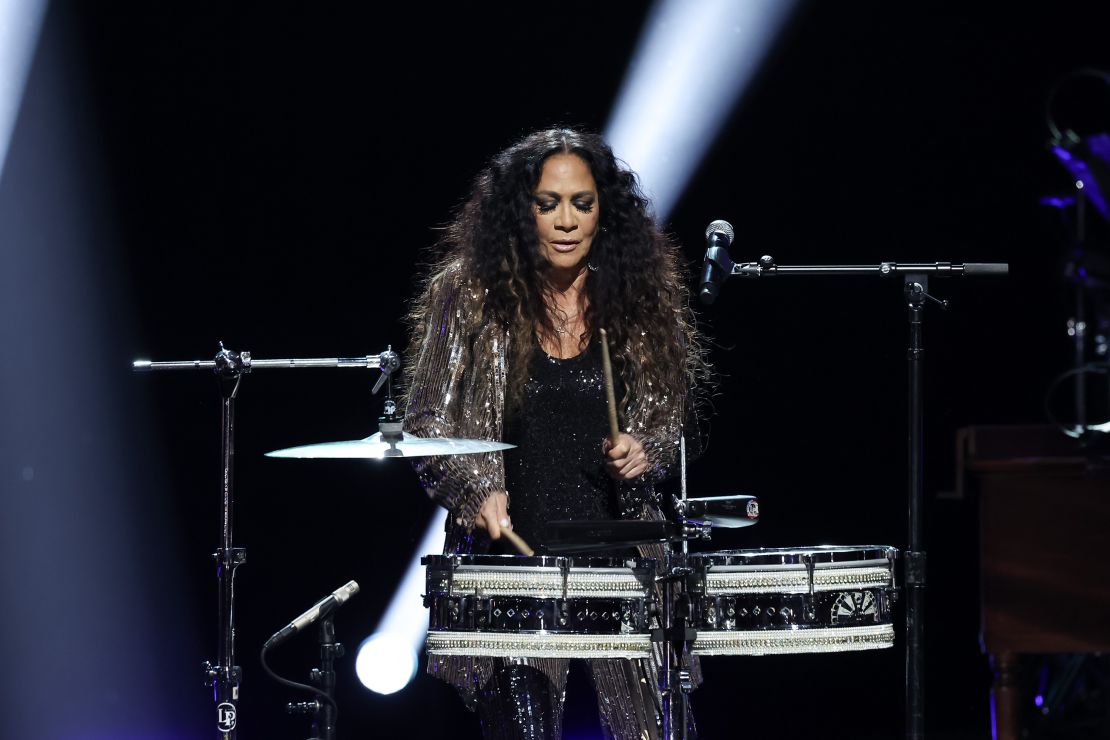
(916,285)
(324,713)
(229,368)
(1077,326)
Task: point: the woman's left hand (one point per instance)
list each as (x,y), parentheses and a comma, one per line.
(626,459)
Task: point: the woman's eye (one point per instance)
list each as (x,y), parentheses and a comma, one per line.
(584,207)
(545,207)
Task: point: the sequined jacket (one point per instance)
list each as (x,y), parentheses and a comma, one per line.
(456,388)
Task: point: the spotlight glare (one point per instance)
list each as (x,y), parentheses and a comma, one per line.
(385,663)
(387,659)
(20,21)
(690,68)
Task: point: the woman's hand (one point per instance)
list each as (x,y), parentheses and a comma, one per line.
(494,514)
(626,459)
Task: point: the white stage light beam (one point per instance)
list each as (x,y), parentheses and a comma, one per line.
(387,660)
(687,74)
(20,23)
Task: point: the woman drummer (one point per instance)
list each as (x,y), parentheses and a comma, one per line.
(555,242)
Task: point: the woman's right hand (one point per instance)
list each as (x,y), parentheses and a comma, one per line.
(494,515)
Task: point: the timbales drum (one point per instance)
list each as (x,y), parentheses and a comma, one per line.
(539,606)
(792,600)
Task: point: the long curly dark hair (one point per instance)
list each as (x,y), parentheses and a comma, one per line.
(634,288)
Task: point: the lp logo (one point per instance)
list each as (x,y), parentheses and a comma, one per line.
(226,715)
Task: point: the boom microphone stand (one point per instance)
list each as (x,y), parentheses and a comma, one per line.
(916,286)
(229,368)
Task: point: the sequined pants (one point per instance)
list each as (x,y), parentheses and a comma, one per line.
(523,699)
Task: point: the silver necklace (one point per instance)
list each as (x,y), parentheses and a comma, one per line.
(563,327)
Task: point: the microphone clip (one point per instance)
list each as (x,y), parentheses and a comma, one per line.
(765,265)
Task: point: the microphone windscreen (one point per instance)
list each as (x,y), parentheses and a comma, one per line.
(720,226)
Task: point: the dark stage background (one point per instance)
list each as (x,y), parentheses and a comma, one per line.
(268,174)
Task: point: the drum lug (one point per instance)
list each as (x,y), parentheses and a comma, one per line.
(695,581)
(437,582)
(807,559)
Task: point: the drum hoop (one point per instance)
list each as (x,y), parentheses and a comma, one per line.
(795,640)
(538,644)
(824,556)
(556,562)
(733,581)
(820,565)
(547,583)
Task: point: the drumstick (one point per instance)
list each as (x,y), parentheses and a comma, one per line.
(518,542)
(610,396)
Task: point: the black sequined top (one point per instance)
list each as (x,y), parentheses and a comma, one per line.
(557,470)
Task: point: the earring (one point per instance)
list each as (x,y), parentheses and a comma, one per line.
(591,267)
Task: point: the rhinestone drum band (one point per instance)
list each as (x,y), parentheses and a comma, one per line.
(526,617)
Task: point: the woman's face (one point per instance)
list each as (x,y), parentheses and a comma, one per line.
(566,211)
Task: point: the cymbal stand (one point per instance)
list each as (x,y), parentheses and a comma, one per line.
(229,368)
(1077,325)
(915,289)
(1086,323)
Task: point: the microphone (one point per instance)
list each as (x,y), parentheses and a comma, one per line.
(321,608)
(717,265)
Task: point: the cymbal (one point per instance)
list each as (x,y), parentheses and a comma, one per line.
(376,448)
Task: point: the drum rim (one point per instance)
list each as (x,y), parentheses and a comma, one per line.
(819,553)
(577,562)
